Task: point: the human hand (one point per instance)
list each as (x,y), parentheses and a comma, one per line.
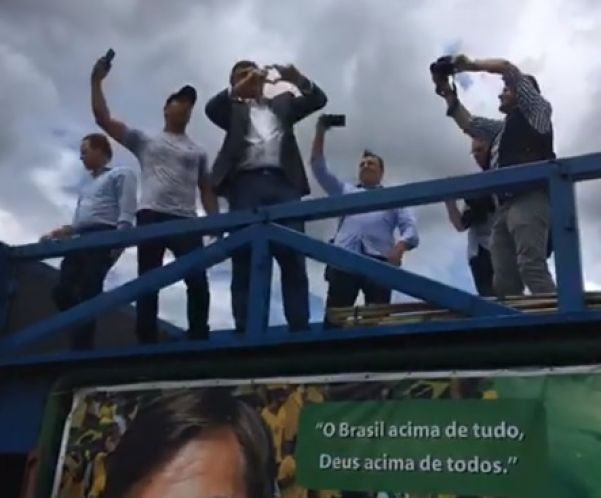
(100,70)
(289,73)
(395,257)
(250,85)
(462,63)
(320,126)
(57,234)
(445,88)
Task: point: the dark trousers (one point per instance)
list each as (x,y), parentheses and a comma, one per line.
(344,288)
(482,272)
(150,256)
(263,187)
(81,278)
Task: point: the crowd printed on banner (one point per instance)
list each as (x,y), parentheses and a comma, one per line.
(412,430)
(386,463)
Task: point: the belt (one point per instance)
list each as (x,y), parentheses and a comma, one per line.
(262,170)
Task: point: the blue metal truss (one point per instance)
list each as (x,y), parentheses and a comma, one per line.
(259,230)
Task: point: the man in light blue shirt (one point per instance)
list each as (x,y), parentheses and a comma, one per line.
(108,202)
(371,234)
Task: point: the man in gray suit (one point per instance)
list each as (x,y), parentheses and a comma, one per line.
(260,164)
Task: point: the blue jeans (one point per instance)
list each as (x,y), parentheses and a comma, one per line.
(264,187)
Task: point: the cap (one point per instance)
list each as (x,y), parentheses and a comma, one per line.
(184,93)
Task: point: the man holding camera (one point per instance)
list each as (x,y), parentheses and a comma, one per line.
(172,167)
(521,228)
(107,202)
(259,164)
(371,234)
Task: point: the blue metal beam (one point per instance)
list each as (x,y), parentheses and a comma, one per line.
(395,278)
(161,277)
(5,285)
(413,194)
(228,340)
(580,168)
(124,238)
(560,173)
(260,283)
(566,245)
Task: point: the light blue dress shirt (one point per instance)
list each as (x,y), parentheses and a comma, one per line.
(108,199)
(372,233)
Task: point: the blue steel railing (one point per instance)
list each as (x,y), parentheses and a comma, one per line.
(260,230)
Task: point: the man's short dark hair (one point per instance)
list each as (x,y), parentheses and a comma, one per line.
(369,153)
(243,64)
(166,425)
(100,141)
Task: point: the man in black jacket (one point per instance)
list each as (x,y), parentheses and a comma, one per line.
(260,164)
(521,229)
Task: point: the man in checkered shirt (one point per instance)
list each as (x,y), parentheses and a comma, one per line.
(521,228)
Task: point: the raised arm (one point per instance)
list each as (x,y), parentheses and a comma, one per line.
(218,109)
(311,99)
(533,105)
(474,126)
(115,129)
(326,179)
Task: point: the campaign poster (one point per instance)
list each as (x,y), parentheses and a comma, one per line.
(525,434)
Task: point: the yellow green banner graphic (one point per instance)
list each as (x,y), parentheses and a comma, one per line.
(523,434)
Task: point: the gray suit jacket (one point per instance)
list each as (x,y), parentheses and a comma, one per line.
(233,116)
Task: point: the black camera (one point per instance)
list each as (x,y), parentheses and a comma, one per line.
(332,120)
(442,69)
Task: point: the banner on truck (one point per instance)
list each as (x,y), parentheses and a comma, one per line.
(489,434)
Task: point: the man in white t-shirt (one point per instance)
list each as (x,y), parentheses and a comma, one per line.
(173,167)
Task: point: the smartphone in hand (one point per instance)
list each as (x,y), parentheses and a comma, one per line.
(108,57)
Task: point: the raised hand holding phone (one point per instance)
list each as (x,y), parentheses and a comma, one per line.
(103,65)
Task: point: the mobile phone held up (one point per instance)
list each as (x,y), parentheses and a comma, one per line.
(333,120)
(108,57)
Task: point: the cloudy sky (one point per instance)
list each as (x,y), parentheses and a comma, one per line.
(370,56)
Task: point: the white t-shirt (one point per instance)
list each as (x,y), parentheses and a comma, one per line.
(171,166)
